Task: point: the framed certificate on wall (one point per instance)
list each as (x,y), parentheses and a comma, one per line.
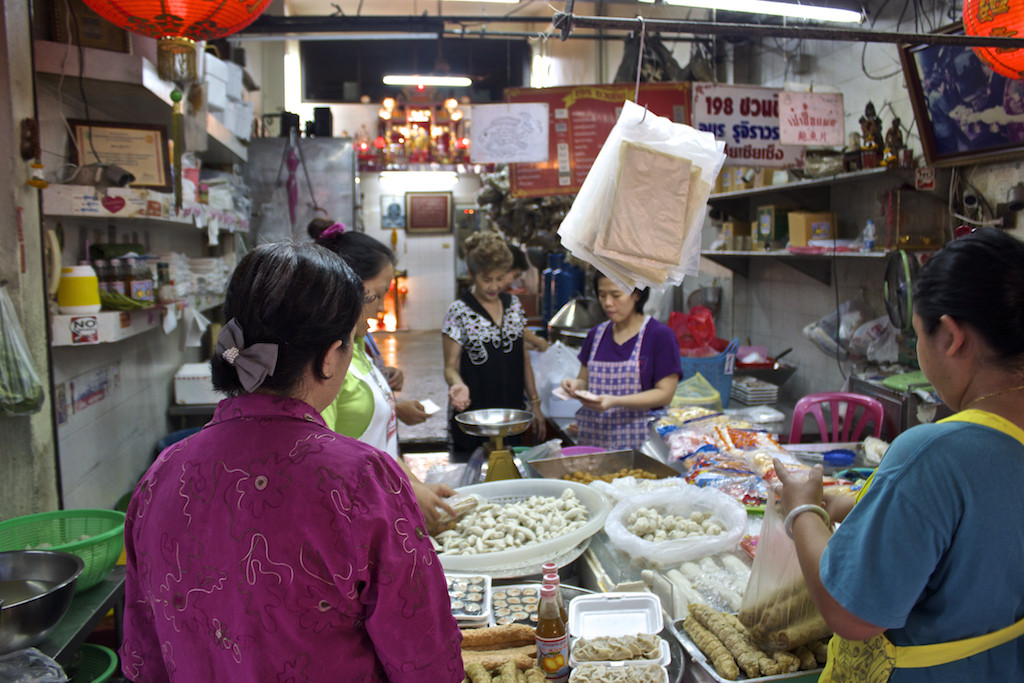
(428,213)
(138,148)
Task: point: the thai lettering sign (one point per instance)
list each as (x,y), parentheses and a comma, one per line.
(747,118)
(811,118)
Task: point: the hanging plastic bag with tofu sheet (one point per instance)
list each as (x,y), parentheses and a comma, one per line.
(21,392)
(638,216)
(777,607)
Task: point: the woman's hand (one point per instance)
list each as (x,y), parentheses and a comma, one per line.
(571,386)
(539,424)
(458,396)
(431,497)
(410,412)
(599,403)
(396,378)
(796,490)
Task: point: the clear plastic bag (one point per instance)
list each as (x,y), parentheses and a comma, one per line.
(697,391)
(594,208)
(21,392)
(30,666)
(833,332)
(777,608)
(680,502)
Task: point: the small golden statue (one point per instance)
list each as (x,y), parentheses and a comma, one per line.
(871,128)
(893,144)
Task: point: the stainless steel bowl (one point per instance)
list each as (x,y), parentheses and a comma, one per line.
(36,588)
(494,422)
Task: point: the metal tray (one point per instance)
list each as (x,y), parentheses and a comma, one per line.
(676,629)
(601,463)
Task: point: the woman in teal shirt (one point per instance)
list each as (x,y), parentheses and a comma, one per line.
(931,554)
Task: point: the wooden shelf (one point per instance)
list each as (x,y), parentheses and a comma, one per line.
(810,195)
(122,86)
(107,327)
(817,266)
(134,204)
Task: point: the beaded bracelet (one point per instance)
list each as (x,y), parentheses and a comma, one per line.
(799,510)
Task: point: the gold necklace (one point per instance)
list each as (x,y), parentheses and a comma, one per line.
(991,394)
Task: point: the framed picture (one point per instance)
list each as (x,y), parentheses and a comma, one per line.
(86,28)
(965,112)
(138,148)
(392,211)
(428,212)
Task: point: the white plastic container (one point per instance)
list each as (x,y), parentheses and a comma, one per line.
(616,614)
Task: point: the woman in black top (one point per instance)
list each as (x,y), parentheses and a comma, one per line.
(486,364)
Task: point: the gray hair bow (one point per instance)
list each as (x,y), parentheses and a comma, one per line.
(252,364)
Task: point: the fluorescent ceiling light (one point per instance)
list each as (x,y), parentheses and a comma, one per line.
(778,9)
(415,79)
(423,181)
(370,35)
(504,2)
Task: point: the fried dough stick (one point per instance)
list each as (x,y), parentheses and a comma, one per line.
(765,662)
(739,647)
(711,646)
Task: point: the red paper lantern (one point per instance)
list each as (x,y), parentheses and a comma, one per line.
(195,19)
(177,23)
(999,18)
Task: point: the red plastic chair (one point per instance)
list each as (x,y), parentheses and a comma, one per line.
(843,411)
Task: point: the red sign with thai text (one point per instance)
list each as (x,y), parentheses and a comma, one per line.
(580,118)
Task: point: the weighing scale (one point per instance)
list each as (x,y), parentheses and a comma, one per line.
(496,423)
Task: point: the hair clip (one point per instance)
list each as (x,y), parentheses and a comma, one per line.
(963,231)
(331,231)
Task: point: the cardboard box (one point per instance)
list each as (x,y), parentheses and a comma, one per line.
(805,226)
(193,385)
(736,228)
(772,225)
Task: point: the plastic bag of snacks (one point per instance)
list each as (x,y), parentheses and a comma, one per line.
(777,608)
(21,392)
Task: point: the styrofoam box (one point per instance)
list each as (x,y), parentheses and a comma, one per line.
(216,94)
(193,385)
(233,81)
(214,67)
(618,665)
(616,614)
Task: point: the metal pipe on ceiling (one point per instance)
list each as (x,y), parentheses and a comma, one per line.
(566,21)
(297,27)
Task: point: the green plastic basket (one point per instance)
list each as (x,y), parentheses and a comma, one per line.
(96,536)
(92,664)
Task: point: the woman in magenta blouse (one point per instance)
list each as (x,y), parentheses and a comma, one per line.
(266,547)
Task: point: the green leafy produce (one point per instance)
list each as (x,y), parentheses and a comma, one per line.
(21,392)
(115,301)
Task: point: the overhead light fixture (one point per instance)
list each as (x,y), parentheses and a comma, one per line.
(421,181)
(496,2)
(427,81)
(778,9)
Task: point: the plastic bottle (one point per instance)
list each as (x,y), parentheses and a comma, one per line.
(102,269)
(547,288)
(142,281)
(552,638)
(553,580)
(115,284)
(165,287)
(868,237)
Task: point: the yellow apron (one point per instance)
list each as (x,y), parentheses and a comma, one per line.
(872,661)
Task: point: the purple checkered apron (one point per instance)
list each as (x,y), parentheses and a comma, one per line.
(617,428)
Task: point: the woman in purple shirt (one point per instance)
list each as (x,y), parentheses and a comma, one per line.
(266,547)
(630,365)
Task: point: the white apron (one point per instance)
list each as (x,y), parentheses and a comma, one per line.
(383,427)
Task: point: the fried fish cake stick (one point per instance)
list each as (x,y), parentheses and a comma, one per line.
(711,646)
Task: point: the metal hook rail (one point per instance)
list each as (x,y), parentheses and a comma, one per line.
(565,21)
